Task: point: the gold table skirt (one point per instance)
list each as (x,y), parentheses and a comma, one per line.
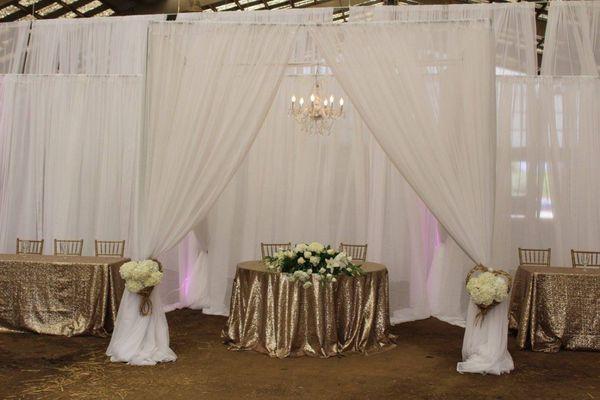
(553,308)
(272,315)
(59,295)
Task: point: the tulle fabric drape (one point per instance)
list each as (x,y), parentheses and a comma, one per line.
(193,144)
(514,27)
(572,40)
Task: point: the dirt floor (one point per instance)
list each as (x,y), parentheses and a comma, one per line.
(421,367)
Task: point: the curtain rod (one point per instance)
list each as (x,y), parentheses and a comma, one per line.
(371,23)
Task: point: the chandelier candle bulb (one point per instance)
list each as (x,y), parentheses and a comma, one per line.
(318,116)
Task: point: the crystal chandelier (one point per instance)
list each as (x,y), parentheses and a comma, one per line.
(316,116)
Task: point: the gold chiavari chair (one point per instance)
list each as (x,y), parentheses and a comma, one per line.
(585,258)
(25,246)
(534,256)
(358,252)
(68,247)
(110,248)
(268,249)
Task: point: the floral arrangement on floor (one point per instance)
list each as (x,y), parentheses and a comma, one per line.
(488,288)
(306,260)
(140,277)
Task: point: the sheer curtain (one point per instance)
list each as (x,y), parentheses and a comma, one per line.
(513,24)
(68,176)
(444,72)
(113,45)
(572,43)
(209,89)
(547,141)
(183,284)
(13,46)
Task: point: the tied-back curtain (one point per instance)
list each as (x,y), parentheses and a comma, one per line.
(67,177)
(513,24)
(547,186)
(419,99)
(114,45)
(428,99)
(189,284)
(13,46)
(572,43)
(209,89)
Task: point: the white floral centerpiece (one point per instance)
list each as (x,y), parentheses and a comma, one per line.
(488,288)
(305,260)
(140,277)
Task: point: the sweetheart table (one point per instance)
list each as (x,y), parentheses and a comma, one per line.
(274,315)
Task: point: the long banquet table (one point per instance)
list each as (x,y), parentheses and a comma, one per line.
(59,295)
(554,307)
(273,315)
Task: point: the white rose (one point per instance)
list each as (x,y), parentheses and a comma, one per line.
(331,252)
(315,260)
(301,261)
(333,280)
(307,254)
(300,247)
(309,271)
(322,270)
(316,247)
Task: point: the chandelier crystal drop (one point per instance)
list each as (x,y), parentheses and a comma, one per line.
(316,116)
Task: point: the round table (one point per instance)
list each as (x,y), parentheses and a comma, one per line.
(273,315)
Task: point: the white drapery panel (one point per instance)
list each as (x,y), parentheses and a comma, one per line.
(191,257)
(113,45)
(513,24)
(572,41)
(68,174)
(546,181)
(305,53)
(428,99)
(13,46)
(209,89)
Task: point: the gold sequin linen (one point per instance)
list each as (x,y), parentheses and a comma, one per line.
(271,314)
(554,308)
(59,295)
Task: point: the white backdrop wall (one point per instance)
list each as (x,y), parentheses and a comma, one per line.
(513,24)
(572,40)
(110,45)
(67,171)
(547,167)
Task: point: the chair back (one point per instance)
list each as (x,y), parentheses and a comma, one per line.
(585,259)
(268,249)
(25,246)
(68,247)
(358,252)
(534,256)
(110,248)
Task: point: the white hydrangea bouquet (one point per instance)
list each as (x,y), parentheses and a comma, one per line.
(487,288)
(306,260)
(140,277)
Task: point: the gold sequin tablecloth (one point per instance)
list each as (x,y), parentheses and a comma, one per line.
(59,295)
(271,314)
(553,308)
